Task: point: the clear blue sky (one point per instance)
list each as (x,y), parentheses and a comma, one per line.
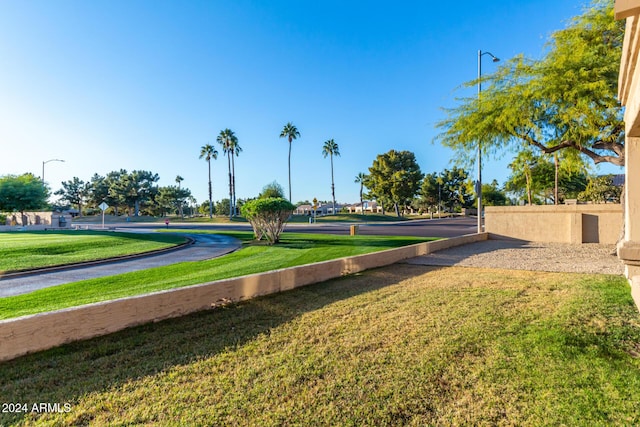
(115,84)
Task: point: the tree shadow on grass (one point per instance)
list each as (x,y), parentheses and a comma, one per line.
(66,373)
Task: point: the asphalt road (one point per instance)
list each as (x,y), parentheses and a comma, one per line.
(211,246)
(446,227)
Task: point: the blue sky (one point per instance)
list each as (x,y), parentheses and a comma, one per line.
(107,85)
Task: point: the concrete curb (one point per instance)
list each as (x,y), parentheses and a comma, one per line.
(28,334)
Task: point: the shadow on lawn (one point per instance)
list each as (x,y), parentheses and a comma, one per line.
(66,373)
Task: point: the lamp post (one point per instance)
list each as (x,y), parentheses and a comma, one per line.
(47,161)
(479,181)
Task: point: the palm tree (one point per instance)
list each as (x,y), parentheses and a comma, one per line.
(235,149)
(179,179)
(360,179)
(290,132)
(209,152)
(226,139)
(330,148)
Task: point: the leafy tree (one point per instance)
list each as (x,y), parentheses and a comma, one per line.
(103,189)
(268,217)
(492,195)
(135,188)
(331,149)
(534,176)
(290,132)
(20,193)
(521,180)
(565,101)
(395,178)
(430,191)
(600,189)
(361,178)
(208,152)
(171,199)
(223,206)
(272,190)
(206,208)
(75,192)
(456,189)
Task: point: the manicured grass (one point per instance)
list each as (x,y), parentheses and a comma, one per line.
(401,345)
(294,249)
(36,249)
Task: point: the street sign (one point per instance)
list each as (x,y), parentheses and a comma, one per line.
(104,207)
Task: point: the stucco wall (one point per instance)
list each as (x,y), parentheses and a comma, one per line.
(600,223)
(38,219)
(41,331)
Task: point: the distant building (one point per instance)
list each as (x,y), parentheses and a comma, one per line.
(322,209)
(367,206)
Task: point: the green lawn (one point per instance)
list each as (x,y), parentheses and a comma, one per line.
(36,249)
(400,345)
(294,249)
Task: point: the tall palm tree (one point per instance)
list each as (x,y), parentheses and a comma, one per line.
(226,139)
(235,149)
(179,179)
(290,132)
(330,148)
(209,152)
(360,179)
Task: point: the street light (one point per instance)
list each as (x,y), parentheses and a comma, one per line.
(479,181)
(47,161)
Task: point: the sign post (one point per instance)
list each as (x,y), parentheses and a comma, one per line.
(103,206)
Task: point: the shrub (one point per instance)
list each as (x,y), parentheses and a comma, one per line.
(268,217)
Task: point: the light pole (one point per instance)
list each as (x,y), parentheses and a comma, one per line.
(47,161)
(479,181)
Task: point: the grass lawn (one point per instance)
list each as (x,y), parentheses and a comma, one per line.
(35,249)
(400,345)
(294,249)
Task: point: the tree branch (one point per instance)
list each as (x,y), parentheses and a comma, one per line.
(597,158)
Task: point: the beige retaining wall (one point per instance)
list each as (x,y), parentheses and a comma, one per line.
(37,332)
(600,223)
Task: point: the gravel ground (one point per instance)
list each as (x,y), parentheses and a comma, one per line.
(517,255)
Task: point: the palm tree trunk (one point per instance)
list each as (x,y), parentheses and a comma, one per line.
(333,189)
(361,204)
(290,169)
(210,193)
(233,179)
(230,184)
